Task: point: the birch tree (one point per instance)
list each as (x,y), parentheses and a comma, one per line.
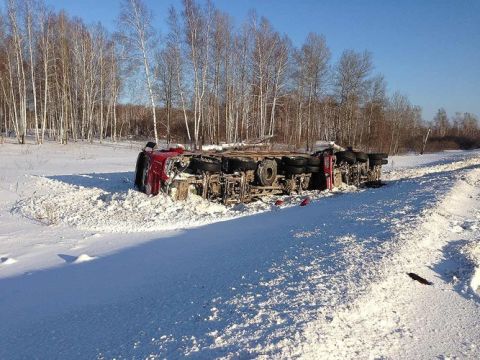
(197,24)
(137,35)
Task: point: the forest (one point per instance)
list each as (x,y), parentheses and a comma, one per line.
(205,80)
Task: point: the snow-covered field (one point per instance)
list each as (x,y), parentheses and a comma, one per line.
(90,268)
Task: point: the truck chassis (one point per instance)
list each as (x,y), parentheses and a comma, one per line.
(241,176)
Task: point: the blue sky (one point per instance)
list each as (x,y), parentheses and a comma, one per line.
(427,49)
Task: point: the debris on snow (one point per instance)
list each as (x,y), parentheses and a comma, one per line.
(420,279)
(84,258)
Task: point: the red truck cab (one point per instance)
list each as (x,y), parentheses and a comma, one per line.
(152,168)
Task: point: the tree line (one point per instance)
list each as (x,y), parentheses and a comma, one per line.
(206,80)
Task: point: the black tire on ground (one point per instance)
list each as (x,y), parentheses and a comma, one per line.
(377,156)
(145,185)
(346,156)
(239,164)
(361,156)
(314,161)
(376,162)
(151,145)
(294,160)
(140,172)
(312,169)
(205,164)
(280,166)
(294,170)
(267,172)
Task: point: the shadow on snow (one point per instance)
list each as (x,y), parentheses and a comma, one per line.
(109,182)
(124,303)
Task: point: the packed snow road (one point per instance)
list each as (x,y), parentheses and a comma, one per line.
(80,279)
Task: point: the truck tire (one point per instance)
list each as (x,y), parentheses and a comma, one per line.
(145,186)
(294,160)
(314,161)
(294,170)
(346,156)
(377,162)
(239,164)
(267,172)
(205,164)
(377,156)
(151,145)
(312,169)
(361,156)
(140,170)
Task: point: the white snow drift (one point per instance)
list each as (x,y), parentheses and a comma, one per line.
(124,275)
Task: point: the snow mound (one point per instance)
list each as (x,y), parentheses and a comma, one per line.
(94,209)
(472,252)
(391,172)
(84,258)
(7,261)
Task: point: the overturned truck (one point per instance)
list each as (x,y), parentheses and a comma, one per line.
(241,176)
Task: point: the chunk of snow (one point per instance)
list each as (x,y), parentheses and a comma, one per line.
(84,258)
(7,261)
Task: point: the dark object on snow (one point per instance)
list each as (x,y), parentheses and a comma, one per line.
(305,202)
(151,145)
(419,279)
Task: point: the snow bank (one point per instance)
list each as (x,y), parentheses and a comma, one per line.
(108,202)
(401,167)
(94,209)
(282,284)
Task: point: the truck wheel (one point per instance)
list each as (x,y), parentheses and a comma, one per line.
(206,164)
(294,160)
(144,185)
(377,162)
(361,156)
(312,169)
(346,156)
(377,156)
(314,161)
(267,172)
(294,170)
(239,164)
(140,172)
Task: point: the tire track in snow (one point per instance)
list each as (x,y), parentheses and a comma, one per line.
(247,287)
(397,318)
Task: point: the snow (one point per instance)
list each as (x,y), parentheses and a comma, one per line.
(103,271)
(7,261)
(83,258)
(405,319)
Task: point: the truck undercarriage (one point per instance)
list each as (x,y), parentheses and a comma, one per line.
(242,176)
